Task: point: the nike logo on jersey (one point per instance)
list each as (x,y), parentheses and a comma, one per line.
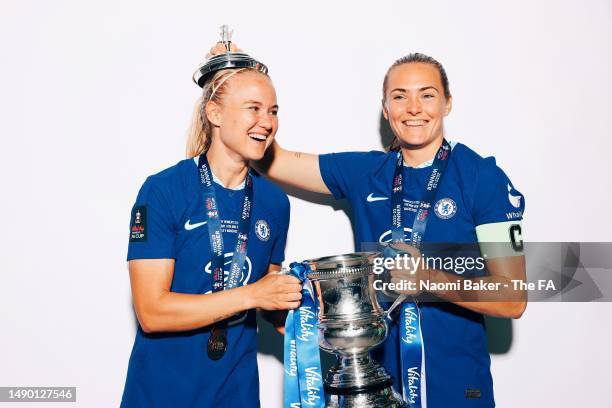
(371,198)
(189,226)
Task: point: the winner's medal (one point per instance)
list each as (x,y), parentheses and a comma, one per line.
(217,343)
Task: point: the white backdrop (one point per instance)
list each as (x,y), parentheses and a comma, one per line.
(95,96)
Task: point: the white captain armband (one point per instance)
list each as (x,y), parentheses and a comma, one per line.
(500,239)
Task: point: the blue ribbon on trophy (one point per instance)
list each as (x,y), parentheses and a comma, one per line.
(410,341)
(303,375)
(411,338)
(411,352)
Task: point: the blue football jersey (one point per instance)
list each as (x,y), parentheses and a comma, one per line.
(169,221)
(474,191)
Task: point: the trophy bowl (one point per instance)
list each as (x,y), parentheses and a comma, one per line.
(351,323)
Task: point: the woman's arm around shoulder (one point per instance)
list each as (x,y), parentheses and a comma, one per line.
(296,169)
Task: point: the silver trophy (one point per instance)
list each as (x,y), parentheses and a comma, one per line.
(228,60)
(351,323)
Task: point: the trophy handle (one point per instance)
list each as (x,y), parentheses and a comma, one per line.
(316,286)
(394,305)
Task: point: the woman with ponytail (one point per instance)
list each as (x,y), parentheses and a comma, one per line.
(207,237)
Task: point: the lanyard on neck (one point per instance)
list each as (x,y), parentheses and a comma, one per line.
(214,228)
(397,197)
(411,338)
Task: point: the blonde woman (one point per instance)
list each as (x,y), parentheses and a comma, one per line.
(206,238)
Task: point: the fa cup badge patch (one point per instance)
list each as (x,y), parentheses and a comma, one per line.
(138,227)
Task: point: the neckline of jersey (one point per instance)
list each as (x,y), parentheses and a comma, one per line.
(428,163)
(219,182)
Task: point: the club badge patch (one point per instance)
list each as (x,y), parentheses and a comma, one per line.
(262,230)
(138,228)
(445,208)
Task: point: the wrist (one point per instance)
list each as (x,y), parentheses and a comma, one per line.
(247,297)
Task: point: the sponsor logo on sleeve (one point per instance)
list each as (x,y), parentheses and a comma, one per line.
(515,200)
(138,229)
(514,215)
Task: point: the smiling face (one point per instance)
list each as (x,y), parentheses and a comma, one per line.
(245,121)
(415,104)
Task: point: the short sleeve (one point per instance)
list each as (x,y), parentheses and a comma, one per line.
(152,231)
(495,197)
(278,248)
(340,170)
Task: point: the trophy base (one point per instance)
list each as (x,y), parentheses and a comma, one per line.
(358,381)
(382,398)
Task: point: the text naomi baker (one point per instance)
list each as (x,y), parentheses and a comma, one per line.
(429,286)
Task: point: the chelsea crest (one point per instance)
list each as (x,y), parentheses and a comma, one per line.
(262,230)
(445,208)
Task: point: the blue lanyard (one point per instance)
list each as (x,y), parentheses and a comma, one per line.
(214,228)
(411,341)
(431,189)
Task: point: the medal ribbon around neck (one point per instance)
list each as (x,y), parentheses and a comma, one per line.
(411,339)
(214,230)
(302,363)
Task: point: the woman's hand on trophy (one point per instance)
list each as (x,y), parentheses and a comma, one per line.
(219,48)
(276,292)
(409,270)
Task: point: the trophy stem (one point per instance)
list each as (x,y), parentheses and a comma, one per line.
(354,373)
(357,381)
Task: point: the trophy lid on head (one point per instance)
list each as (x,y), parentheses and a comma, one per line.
(226,61)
